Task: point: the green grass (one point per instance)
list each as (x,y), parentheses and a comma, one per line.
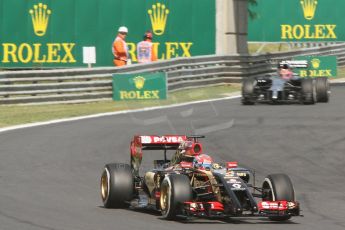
(22,114)
(341,72)
(268,48)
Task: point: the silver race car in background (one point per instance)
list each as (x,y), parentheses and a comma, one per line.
(285,87)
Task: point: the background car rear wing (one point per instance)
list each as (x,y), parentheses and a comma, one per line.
(294,63)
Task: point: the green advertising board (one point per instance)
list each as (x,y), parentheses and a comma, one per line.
(318,66)
(297,21)
(50,33)
(152,86)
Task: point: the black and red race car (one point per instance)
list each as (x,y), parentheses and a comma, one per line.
(192,185)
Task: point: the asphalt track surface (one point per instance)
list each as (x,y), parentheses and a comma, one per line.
(49,175)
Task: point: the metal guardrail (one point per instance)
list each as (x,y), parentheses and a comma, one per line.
(84,85)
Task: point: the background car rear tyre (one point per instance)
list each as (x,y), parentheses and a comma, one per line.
(248,91)
(175,190)
(278,187)
(116,185)
(308,91)
(322,89)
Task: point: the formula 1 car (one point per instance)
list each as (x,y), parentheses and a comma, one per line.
(274,89)
(192,185)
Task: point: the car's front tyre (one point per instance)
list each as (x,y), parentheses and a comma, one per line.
(308,91)
(322,89)
(175,190)
(248,91)
(277,187)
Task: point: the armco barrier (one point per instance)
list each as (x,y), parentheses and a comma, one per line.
(84,85)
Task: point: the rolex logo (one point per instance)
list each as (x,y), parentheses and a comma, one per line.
(158,16)
(309,8)
(40,17)
(139,82)
(315,63)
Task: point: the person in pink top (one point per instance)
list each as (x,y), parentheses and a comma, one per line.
(145,50)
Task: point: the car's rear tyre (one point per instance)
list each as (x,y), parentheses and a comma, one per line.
(248,91)
(308,91)
(322,89)
(278,187)
(175,190)
(116,185)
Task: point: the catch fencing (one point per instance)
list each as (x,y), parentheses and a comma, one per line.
(85,85)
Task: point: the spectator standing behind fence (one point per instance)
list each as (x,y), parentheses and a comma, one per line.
(145,50)
(120,49)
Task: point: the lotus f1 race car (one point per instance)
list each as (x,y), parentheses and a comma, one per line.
(285,88)
(192,185)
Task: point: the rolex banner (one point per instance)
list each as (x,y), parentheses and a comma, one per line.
(318,66)
(139,86)
(52,33)
(297,21)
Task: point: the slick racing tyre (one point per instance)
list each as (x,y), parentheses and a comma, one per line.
(116,185)
(248,91)
(278,187)
(308,91)
(175,190)
(322,89)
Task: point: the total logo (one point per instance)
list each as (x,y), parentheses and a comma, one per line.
(237,187)
(309,31)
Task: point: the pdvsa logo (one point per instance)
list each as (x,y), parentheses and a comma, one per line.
(310,30)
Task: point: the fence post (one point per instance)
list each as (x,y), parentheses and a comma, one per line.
(231,27)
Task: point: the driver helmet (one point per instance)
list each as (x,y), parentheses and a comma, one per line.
(285,74)
(203,161)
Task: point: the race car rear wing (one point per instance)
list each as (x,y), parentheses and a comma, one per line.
(158,142)
(294,63)
(140,143)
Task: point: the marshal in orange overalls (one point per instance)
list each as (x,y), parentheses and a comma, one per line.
(119,48)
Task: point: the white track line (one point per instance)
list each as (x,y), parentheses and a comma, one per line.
(2,130)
